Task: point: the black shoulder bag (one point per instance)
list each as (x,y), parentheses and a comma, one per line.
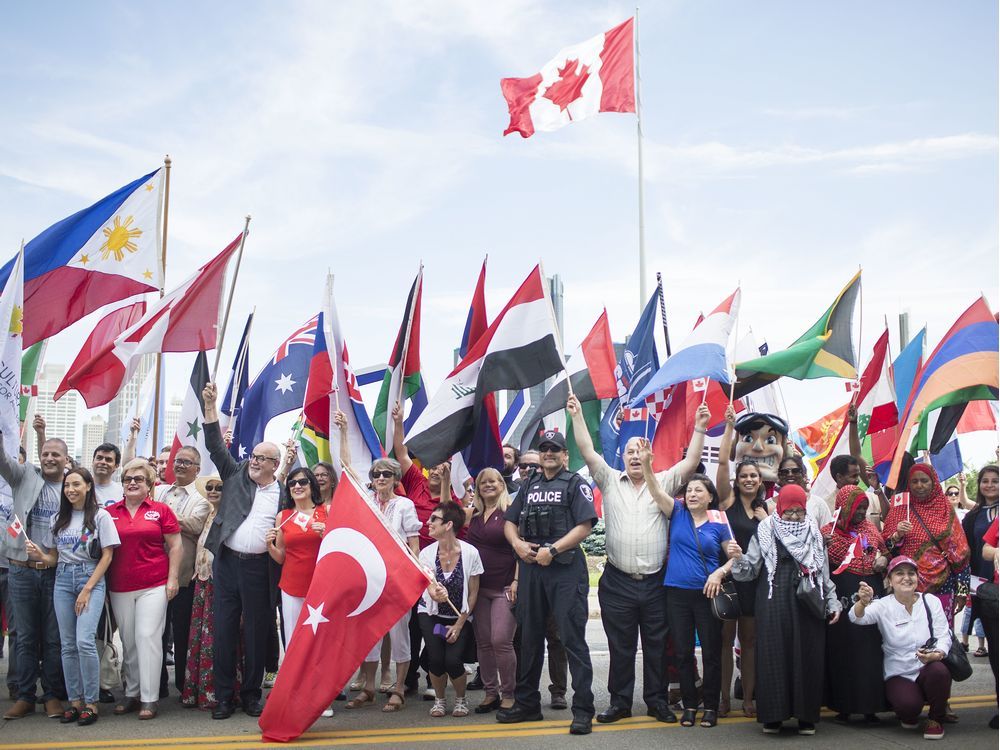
(725,604)
(956,660)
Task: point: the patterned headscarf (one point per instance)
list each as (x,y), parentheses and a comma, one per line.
(936,513)
(800,538)
(844,531)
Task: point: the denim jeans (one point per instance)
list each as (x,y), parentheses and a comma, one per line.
(80,662)
(11,633)
(37,632)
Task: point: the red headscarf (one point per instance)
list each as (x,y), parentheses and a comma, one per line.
(939,554)
(790,496)
(844,531)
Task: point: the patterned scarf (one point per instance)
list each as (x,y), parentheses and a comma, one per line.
(800,538)
(844,531)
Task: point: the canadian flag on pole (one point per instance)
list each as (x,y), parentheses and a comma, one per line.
(352,602)
(16,527)
(853,552)
(595,76)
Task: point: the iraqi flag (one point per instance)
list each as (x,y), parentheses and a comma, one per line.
(595,76)
(517,351)
(352,602)
(591,371)
(185,320)
(99,255)
(191,425)
(702,355)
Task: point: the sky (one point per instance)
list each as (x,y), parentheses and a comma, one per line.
(785,146)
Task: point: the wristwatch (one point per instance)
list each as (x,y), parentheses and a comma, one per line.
(553,550)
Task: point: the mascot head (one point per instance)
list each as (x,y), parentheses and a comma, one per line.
(762,438)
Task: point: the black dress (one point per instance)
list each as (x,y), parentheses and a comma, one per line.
(790,649)
(744,529)
(854,680)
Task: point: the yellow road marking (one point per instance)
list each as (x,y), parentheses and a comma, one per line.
(404,734)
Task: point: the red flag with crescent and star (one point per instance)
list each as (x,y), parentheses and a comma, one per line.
(352,602)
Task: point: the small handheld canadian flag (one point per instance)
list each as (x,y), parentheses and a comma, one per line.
(718,516)
(15,528)
(700,384)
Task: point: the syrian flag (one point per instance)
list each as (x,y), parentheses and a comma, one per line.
(364,581)
(595,76)
(16,527)
(517,351)
(402,375)
(876,404)
(11,330)
(591,371)
(185,320)
(853,552)
(190,426)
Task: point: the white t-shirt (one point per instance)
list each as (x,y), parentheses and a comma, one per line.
(73,542)
(108,493)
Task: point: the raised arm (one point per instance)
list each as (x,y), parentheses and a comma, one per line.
(663,501)
(723,481)
(133,435)
(692,458)
(963,495)
(854,439)
(223,461)
(38,424)
(398,447)
(340,419)
(581,434)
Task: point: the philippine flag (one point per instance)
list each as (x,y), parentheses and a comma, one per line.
(702,355)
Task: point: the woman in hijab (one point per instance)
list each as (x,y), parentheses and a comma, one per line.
(857,554)
(788,550)
(925,528)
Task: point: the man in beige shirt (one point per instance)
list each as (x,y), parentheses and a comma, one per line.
(191,510)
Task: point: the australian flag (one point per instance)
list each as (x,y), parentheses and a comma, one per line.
(280,387)
(634,370)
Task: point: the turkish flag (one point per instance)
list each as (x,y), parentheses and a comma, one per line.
(352,602)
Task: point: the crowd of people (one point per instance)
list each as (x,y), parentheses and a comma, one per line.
(202,571)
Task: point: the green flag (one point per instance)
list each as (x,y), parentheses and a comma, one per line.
(30,360)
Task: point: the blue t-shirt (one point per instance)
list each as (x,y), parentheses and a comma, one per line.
(685,569)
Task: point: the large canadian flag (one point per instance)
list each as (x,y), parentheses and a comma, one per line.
(595,76)
(352,602)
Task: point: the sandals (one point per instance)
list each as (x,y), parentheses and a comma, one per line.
(439,709)
(391,708)
(386,687)
(748,709)
(88,716)
(688,717)
(981,652)
(363,699)
(709,718)
(70,715)
(724,708)
(127,706)
(148,711)
(461,708)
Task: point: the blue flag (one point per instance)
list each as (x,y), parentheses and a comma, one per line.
(948,462)
(280,387)
(241,364)
(635,368)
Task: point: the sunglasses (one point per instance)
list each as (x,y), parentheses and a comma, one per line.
(384,474)
(529,466)
(134,480)
(300,482)
(789,472)
(213,488)
(439,519)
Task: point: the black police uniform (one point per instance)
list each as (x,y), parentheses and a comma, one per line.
(545,510)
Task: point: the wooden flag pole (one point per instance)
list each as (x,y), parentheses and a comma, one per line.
(229,302)
(642,212)
(167,163)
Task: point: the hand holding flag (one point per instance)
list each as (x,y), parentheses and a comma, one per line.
(16,527)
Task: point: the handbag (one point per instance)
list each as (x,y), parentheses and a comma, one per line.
(94,548)
(956,660)
(725,604)
(810,597)
(111,662)
(987,592)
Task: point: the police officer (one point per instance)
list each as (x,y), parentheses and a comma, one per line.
(552,513)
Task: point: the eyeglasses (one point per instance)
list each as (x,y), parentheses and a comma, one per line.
(300,482)
(259,458)
(790,515)
(439,519)
(184,462)
(138,479)
(789,472)
(213,488)
(385,474)
(529,466)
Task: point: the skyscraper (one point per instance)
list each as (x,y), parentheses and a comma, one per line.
(122,404)
(93,436)
(60,416)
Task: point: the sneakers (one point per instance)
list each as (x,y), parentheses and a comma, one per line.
(908,725)
(439,709)
(933,730)
(461,708)
(807,728)
(269,678)
(772,727)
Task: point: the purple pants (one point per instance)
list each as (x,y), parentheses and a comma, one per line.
(494,624)
(932,686)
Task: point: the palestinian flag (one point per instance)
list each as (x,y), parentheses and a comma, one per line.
(517,351)
(591,371)
(824,351)
(190,427)
(402,375)
(314,435)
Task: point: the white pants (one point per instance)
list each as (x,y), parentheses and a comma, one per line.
(399,637)
(141,616)
(290,608)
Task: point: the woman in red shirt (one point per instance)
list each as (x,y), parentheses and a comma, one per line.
(294,543)
(141,580)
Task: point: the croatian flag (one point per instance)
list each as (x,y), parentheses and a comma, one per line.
(702,355)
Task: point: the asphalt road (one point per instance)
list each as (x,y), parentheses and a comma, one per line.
(177,727)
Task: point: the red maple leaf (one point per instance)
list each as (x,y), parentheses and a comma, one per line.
(567,89)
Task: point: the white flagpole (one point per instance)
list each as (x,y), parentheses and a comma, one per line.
(229,301)
(638,130)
